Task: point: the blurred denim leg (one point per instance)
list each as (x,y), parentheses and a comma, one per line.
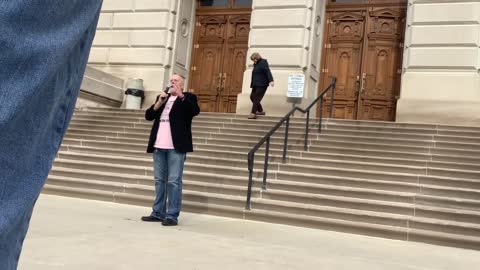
(44,47)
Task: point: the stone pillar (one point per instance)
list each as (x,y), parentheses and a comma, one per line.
(135,39)
(283,32)
(440,81)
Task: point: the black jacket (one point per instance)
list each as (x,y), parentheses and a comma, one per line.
(181,116)
(261,74)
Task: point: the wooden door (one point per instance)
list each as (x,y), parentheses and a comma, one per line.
(207,60)
(343,60)
(219,60)
(234,64)
(382,67)
(363,49)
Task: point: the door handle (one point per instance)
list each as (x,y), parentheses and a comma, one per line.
(364,82)
(219,83)
(224,78)
(357,88)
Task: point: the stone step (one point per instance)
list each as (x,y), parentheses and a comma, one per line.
(330,212)
(295,122)
(396,180)
(334,190)
(241,154)
(296,133)
(452,166)
(354,227)
(275,165)
(148,170)
(94,166)
(188,206)
(450,148)
(457,153)
(456,149)
(294,150)
(241,161)
(263,126)
(415,222)
(315,184)
(205,181)
(335,212)
(141,113)
(148,190)
(278,141)
(391,232)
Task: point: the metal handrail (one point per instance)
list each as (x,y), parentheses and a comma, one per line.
(266,138)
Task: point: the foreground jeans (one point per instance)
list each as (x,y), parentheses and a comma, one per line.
(168,171)
(44,47)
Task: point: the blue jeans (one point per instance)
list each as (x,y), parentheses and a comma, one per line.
(167,172)
(44,47)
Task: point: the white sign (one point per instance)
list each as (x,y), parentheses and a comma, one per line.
(296,85)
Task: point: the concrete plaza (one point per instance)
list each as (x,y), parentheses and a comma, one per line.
(77,234)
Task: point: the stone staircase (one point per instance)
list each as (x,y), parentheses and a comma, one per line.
(413,182)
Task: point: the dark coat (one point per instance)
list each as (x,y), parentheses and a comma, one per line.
(181,116)
(261,74)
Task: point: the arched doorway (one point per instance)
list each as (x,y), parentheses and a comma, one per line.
(219,53)
(363,48)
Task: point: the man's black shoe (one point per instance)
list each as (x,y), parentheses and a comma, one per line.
(169,222)
(152,219)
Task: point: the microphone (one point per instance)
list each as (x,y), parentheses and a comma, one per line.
(167,90)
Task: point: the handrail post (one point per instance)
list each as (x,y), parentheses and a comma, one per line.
(334,80)
(307,124)
(286,140)
(321,115)
(267,137)
(248,205)
(265,166)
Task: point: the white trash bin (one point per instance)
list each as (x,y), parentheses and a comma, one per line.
(135,93)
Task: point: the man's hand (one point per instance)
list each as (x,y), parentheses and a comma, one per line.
(272,84)
(161,100)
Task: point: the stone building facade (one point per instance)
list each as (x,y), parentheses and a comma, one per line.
(395,60)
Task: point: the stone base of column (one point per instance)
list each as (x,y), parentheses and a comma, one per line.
(439,112)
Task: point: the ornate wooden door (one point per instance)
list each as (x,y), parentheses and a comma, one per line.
(363,49)
(218,62)
(382,68)
(343,60)
(207,60)
(234,61)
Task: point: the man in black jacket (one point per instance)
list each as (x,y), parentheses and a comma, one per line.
(261,78)
(170,140)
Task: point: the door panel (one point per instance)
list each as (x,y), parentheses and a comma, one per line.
(206,78)
(363,49)
(234,61)
(382,65)
(345,35)
(219,58)
(207,60)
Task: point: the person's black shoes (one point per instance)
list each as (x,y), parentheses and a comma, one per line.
(152,219)
(169,222)
(165,222)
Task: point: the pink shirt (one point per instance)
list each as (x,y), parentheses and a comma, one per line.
(164,135)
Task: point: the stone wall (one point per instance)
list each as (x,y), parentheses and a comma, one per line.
(440,82)
(285,32)
(135,39)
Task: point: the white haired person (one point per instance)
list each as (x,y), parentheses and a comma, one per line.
(170,140)
(261,79)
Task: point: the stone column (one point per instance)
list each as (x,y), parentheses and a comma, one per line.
(283,32)
(440,81)
(135,39)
